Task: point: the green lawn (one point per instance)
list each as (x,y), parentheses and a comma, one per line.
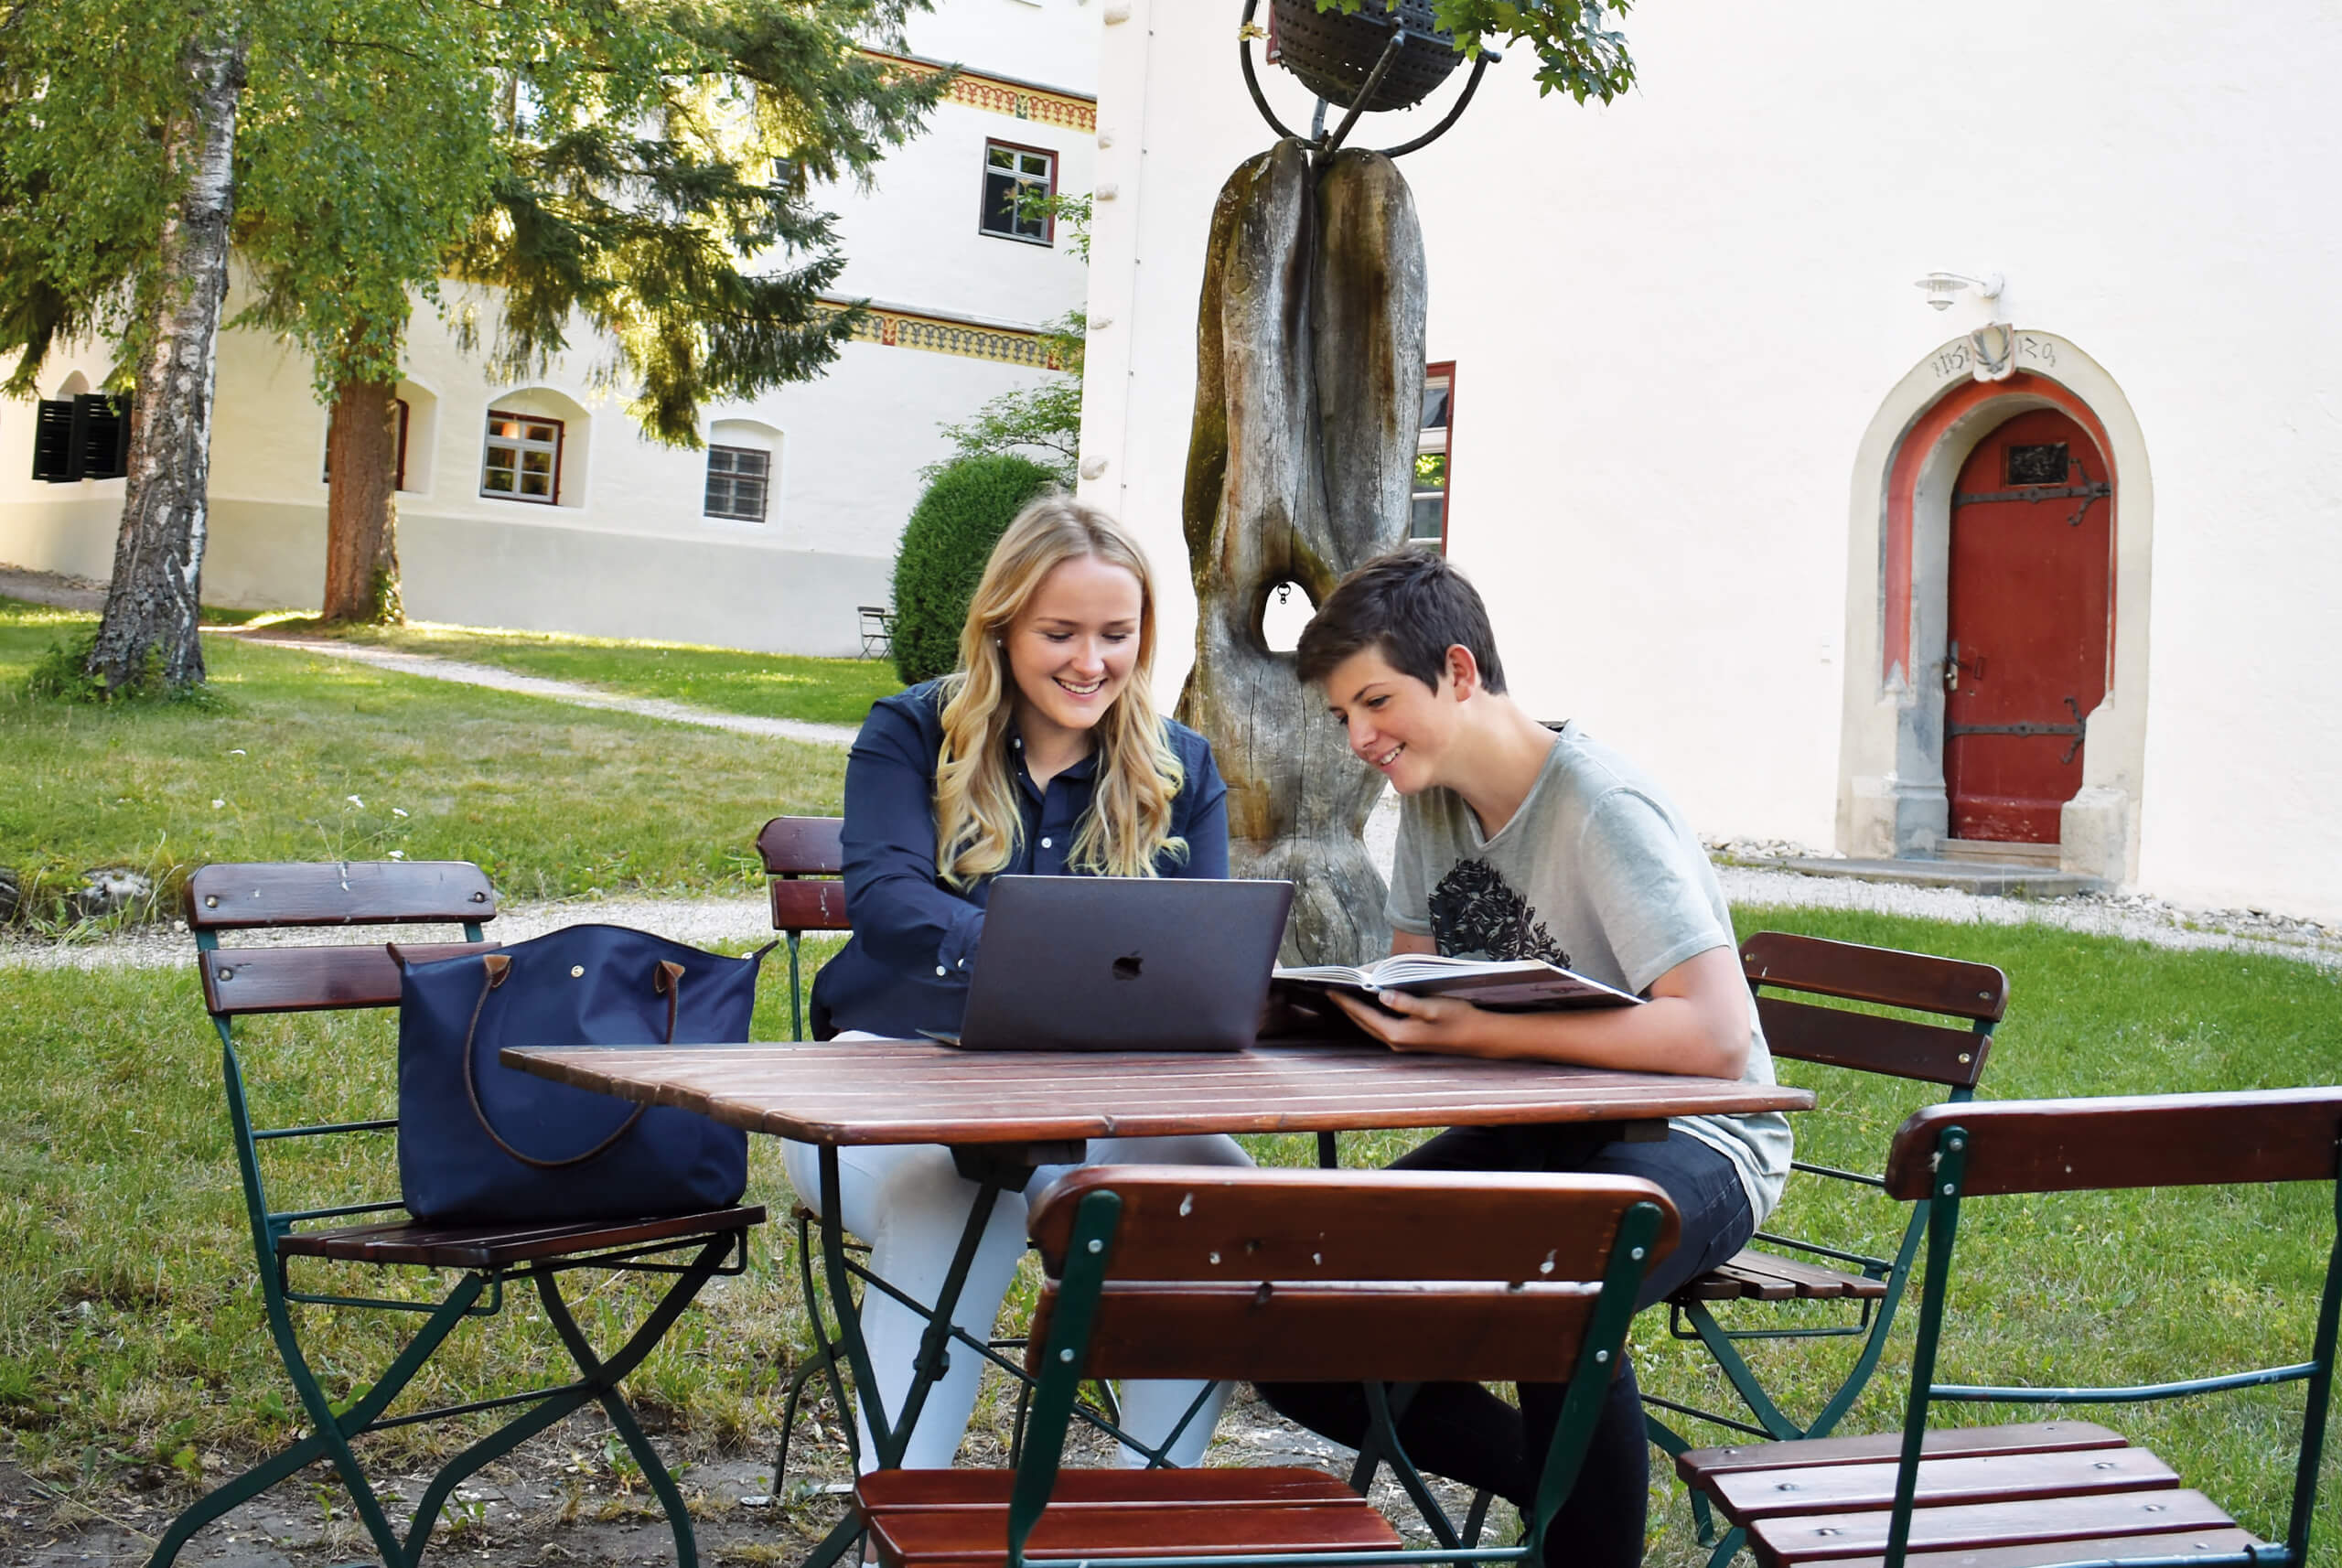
(311,758)
(766,685)
(129,1332)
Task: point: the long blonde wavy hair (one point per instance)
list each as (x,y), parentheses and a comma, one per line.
(977,824)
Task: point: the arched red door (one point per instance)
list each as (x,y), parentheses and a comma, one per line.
(2029,613)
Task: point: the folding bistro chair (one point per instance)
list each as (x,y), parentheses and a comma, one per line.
(804,857)
(237,982)
(1157,1271)
(2057,1492)
(1859,1289)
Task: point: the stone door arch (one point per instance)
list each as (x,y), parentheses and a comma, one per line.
(1892,797)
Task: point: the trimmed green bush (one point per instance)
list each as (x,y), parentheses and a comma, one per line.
(945,545)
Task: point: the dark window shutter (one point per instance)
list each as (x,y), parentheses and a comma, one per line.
(104,438)
(56,446)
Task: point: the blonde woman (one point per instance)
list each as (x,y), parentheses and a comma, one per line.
(1042,755)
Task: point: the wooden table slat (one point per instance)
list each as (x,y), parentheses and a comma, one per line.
(915,1091)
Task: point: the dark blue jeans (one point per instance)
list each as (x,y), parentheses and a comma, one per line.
(1466,1433)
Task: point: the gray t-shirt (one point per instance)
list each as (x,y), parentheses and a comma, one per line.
(1598,873)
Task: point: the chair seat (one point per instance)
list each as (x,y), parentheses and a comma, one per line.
(1970,1527)
(958,1518)
(1698,1465)
(2026,1492)
(2109,1548)
(1761,1276)
(495,1246)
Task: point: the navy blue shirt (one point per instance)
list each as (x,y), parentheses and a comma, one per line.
(913,950)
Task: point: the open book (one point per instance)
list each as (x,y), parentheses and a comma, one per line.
(1524,984)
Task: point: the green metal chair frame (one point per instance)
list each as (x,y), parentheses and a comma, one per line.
(2061,1492)
(248,980)
(1290,1275)
(1951,1057)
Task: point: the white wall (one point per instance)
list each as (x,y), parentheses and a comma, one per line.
(913,241)
(1673,317)
(1051,43)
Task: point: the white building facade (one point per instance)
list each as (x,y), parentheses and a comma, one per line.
(1732,489)
(542,506)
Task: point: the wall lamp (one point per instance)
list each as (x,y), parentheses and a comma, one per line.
(1941,287)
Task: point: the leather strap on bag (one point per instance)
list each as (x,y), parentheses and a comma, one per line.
(666,981)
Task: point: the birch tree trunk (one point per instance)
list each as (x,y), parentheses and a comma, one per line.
(1308,394)
(362,505)
(150,629)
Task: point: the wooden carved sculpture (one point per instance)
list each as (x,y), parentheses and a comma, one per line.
(1309,380)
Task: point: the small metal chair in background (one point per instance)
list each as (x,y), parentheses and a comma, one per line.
(877,631)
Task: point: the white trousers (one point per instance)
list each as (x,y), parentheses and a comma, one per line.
(911,1205)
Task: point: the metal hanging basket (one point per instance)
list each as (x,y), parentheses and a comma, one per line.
(1333,54)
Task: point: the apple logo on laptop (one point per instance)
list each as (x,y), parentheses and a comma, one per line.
(1127,967)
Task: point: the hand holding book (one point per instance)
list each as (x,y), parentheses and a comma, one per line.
(1518,984)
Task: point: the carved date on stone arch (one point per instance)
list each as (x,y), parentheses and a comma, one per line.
(1309,374)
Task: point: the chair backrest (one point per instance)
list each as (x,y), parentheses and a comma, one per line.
(1976,994)
(2160,1139)
(1331,1275)
(1947,1153)
(804,857)
(234,897)
(1309,1275)
(243,981)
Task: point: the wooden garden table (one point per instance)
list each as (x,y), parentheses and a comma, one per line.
(1004,1113)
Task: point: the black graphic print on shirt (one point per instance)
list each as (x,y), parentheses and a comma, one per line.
(1474,910)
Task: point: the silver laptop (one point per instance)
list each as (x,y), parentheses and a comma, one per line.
(1123,963)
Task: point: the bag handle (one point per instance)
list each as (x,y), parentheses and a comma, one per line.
(666,980)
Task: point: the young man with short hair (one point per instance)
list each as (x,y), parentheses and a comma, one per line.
(1518,841)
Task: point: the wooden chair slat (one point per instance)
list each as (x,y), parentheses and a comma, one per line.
(1817,1538)
(2110,1548)
(1869,1043)
(492,1246)
(1807,1281)
(238,981)
(2016,1437)
(1268,1486)
(1313,1333)
(1889,978)
(804,847)
(977,1537)
(809,905)
(1999,1478)
(1196,1224)
(2181,1140)
(345,893)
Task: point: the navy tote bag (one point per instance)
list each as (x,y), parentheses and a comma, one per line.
(481,1144)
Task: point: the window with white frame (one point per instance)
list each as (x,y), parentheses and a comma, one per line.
(1427,518)
(524,458)
(1016,177)
(739,479)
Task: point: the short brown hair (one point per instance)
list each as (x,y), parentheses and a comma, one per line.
(1410,606)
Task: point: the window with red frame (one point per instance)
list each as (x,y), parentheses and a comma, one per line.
(1014,178)
(1427,518)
